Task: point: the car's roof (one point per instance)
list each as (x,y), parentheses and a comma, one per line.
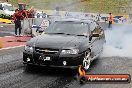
(75,20)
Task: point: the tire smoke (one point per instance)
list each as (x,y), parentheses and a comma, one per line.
(118,41)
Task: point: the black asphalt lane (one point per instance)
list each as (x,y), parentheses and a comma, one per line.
(13,74)
(2,34)
(7,30)
(7,27)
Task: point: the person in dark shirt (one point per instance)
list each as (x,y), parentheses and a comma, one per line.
(17,16)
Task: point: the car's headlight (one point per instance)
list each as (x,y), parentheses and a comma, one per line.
(70,51)
(28,48)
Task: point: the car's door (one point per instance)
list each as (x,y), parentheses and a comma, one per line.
(101,38)
(94,41)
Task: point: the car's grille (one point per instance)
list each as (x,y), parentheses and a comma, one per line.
(41,59)
(46,51)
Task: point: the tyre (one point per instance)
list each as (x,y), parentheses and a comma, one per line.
(29,67)
(87,60)
(82,80)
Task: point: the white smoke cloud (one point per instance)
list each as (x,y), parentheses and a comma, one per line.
(118,41)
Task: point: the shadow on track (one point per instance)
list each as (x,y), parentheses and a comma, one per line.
(53,71)
(62,76)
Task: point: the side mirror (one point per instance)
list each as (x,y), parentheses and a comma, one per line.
(95,35)
(90,38)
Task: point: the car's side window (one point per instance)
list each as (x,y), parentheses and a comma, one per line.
(97,28)
(93,27)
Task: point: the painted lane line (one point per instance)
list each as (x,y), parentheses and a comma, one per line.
(12,47)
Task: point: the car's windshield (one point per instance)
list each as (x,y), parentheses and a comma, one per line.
(73,28)
(9,8)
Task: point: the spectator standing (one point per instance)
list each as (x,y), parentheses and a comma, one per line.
(17,16)
(110,20)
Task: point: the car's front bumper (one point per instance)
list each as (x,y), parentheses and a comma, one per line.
(56,60)
(55,66)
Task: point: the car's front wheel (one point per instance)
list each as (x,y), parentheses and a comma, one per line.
(87,60)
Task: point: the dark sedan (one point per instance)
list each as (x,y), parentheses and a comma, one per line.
(66,43)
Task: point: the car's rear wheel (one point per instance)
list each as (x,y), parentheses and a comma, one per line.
(87,60)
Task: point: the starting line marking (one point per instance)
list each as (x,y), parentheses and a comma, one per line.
(11,47)
(15,36)
(6,36)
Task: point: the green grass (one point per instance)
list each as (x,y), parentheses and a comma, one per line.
(15,2)
(106,6)
(100,6)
